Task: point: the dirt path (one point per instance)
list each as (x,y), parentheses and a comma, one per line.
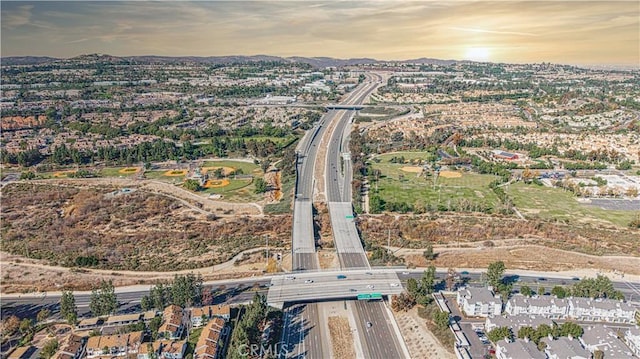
(23,274)
(204,205)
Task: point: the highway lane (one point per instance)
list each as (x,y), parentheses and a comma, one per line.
(379,340)
(376,333)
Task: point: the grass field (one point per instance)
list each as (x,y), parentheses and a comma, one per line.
(396,185)
(555,203)
(116,172)
(246,167)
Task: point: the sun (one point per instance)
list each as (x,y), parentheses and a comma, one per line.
(477,54)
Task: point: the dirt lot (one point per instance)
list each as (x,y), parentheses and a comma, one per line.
(476,230)
(68,225)
(419,340)
(341,338)
(528,257)
(23,275)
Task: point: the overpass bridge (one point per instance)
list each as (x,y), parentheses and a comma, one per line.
(332,285)
(344,107)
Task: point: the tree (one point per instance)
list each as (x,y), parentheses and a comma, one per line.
(146,303)
(261,185)
(526,290)
(428,253)
(541,290)
(441,319)
(528,332)
(559,292)
(571,328)
(599,287)
(43,314)
(264,165)
(412,287)
(192,185)
(49,349)
(495,273)
(10,325)
(103,300)
(403,301)
(500,333)
(544,330)
(26,325)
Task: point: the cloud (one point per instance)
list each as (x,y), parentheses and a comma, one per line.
(493,31)
(17,17)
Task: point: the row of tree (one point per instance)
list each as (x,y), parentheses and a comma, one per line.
(184,291)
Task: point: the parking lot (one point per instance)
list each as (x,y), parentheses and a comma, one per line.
(616,204)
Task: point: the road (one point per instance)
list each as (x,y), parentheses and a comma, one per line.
(376,335)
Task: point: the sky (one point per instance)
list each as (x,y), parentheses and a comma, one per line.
(569,32)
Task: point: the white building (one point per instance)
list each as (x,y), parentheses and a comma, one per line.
(605,310)
(545,305)
(566,348)
(517,350)
(600,337)
(632,339)
(479,302)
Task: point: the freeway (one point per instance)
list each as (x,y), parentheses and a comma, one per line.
(374,331)
(303,241)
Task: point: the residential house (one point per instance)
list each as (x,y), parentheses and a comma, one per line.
(544,305)
(173,323)
(120,320)
(600,337)
(114,345)
(163,349)
(632,339)
(518,349)
(200,316)
(604,310)
(566,348)
(89,323)
(479,302)
(72,347)
(208,345)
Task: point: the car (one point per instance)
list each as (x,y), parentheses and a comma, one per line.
(341,276)
(369,324)
(405,272)
(575,278)
(369,273)
(353,290)
(289,277)
(308,281)
(394,284)
(542,279)
(464,272)
(370,286)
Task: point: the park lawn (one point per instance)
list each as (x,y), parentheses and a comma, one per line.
(115,172)
(160,175)
(408,155)
(556,203)
(247,168)
(238,190)
(411,189)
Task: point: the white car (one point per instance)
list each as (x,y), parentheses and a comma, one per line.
(289,277)
(394,284)
(308,281)
(370,286)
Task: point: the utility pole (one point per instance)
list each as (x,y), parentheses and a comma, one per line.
(389,241)
(267,240)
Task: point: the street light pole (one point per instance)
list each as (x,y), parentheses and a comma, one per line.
(267,240)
